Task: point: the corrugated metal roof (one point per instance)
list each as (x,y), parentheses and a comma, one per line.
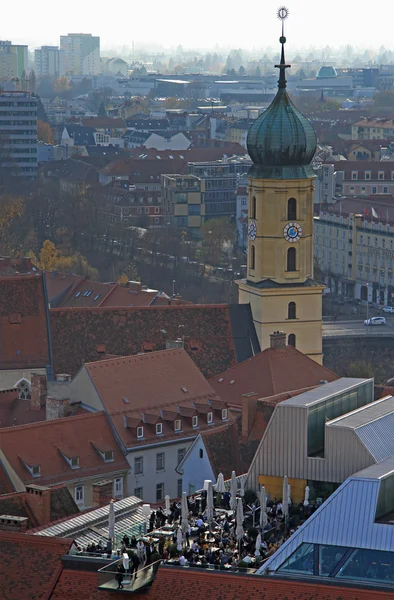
(379,471)
(77,527)
(325,391)
(345,519)
(365,414)
(378,437)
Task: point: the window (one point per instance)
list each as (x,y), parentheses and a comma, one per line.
(35,470)
(139,492)
(354,175)
(140,432)
(159,492)
(367,174)
(385,190)
(291,259)
(159,428)
(78,494)
(291,310)
(291,209)
(381,175)
(195,421)
(108,455)
(253,211)
(160,461)
(301,561)
(24,390)
(201,453)
(74,462)
(179,488)
(177,425)
(118,486)
(147,210)
(374,565)
(292,340)
(224,414)
(181,454)
(252,257)
(138,465)
(209,418)
(374,189)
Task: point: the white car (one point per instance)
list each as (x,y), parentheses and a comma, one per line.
(375,321)
(388,309)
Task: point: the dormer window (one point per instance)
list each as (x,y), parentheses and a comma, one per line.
(195,421)
(224,414)
(108,455)
(209,418)
(74,462)
(177,425)
(159,428)
(140,432)
(36,471)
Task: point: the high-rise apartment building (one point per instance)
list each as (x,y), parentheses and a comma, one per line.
(49,61)
(82,53)
(17,61)
(18,133)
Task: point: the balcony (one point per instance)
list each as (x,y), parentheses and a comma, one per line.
(131,583)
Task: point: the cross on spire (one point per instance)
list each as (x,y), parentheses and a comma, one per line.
(282,13)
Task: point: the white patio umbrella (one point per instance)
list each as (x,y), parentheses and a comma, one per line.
(220,487)
(167,509)
(258,546)
(285,498)
(209,508)
(263,508)
(179,539)
(111,521)
(239,531)
(289,494)
(306,500)
(233,491)
(184,513)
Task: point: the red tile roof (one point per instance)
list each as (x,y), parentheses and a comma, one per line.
(43,444)
(17,411)
(76,333)
(150,388)
(30,565)
(268,373)
(196,584)
(222,447)
(23,322)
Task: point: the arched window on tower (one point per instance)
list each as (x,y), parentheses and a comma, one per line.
(291,310)
(291,209)
(252,257)
(253,211)
(24,389)
(291,259)
(292,340)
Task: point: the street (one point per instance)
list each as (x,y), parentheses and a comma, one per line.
(341,328)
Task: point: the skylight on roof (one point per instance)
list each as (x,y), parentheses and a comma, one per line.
(125,400)
(77,294)
(184,390)
(97,297)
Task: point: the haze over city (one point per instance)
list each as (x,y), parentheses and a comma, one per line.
(203,25)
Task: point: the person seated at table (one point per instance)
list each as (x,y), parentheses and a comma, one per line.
(182,560)
(126,540)
(133,542)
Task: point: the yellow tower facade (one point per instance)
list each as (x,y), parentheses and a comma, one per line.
(279,284)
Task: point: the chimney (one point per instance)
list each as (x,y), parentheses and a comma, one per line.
(102,492)
(38,391)
(13,523)
(63,377)
(38,498)
(56,408)
(278,340)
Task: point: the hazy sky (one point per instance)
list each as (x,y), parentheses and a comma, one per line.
(251,24)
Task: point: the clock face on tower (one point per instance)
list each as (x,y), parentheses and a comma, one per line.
(292,232)
(252,230)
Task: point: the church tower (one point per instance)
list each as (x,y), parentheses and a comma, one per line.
(279,284)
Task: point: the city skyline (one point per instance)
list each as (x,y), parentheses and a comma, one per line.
(336,25)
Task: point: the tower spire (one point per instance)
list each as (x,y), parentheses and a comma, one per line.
(282,13)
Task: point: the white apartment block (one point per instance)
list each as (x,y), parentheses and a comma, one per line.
(82,53)
(49,61)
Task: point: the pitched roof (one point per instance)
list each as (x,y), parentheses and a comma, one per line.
(16,266)
(223,449)
(23,322)
(49,444)
(62,505)
(207,329)
(103,123)
(199,584)
(17,411)
(82,136)
(271,372)
(30,565)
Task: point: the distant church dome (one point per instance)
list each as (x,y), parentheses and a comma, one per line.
(326,73)
(282,136)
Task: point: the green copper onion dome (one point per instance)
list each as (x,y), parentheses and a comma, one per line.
(281,141)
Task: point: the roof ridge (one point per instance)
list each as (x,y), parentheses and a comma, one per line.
(4,430)
(142,356)
(169,403)
(136,308)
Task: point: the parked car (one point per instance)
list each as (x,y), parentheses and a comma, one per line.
(375,321)
(388,309)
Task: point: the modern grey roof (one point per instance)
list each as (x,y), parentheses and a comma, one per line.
(82,136)
(92,526)
(325,391)
(346,519)
(373,424)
